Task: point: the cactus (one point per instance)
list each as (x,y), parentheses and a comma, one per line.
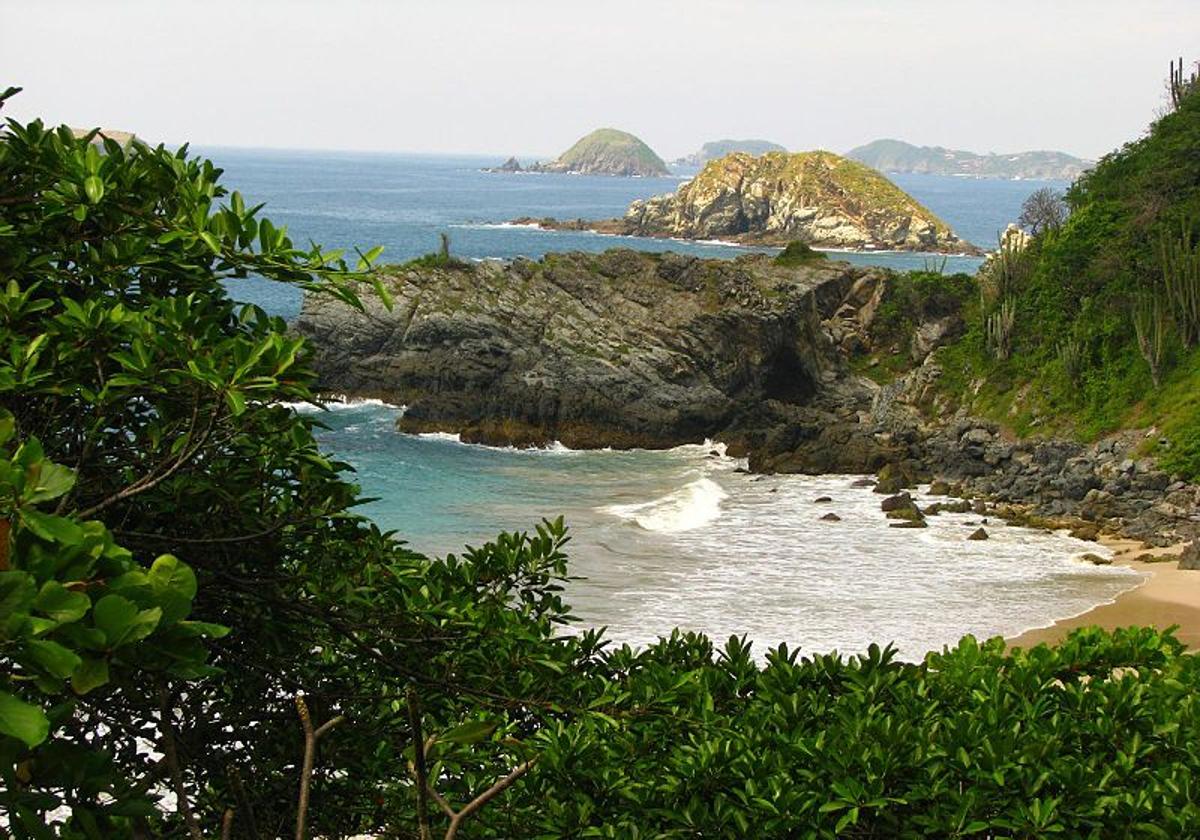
(1150,321)
(1181,278)
(999,328)
(1180,86)
(1071,356)
(1004,273)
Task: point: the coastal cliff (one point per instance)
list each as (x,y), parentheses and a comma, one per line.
(818,198)
(807,366)
(619,349)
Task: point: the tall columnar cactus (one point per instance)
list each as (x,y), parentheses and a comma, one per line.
(1181,86)
(1151,321)
(1180,262)
(1004,273)
(999,329)
(1071,356)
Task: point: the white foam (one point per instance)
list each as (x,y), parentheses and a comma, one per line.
(692,506)
(339,402)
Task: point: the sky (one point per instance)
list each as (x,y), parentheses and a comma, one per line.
(529,77)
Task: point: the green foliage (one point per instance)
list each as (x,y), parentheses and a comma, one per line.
(179,561)
(798,253)
(1092,282)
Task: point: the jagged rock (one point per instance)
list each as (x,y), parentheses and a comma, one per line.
(510,165)
(815,197)
(831,517)
(1096,559)
(617,349)
(900,500)
(978,534)
(939,488)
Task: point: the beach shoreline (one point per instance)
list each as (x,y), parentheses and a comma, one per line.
(1168,596)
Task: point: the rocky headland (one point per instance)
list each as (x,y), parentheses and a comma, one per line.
(818,198)
(898,156)
(606,151)
(629,349)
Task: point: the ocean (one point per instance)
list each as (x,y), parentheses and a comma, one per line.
(676,538)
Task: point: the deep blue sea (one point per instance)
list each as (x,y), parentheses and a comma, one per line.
(403,202)
(662,539)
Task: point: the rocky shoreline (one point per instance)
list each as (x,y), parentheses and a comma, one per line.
(628,349)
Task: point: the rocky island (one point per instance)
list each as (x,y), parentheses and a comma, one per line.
(606,151)
(898,156)
(720,148)
(819,198)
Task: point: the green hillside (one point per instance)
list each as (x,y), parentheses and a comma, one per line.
(610,151)
(1079,305)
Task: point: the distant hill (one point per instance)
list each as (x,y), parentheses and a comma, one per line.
(607,151)
(898,156)
(719,148)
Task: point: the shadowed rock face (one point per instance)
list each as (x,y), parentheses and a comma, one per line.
(620,349)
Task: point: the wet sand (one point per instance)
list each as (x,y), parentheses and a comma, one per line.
(1168,597)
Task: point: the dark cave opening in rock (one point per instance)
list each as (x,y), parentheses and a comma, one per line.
(788,379)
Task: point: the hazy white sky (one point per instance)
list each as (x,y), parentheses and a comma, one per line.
(530,76)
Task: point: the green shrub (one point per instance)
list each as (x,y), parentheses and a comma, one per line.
(798,253)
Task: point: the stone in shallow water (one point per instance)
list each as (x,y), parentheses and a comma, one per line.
(978,534)
(831,517)
(1096,559)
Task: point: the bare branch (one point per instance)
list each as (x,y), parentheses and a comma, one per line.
(311,736)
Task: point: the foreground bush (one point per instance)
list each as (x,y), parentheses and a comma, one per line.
(186,594)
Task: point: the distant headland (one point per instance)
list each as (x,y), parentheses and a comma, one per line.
(898,156)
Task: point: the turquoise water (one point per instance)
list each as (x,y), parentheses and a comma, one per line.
(662,539)
(404,201)
(681,538)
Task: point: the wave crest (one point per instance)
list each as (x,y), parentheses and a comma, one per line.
(692,506)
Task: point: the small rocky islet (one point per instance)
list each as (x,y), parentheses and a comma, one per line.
(605,151)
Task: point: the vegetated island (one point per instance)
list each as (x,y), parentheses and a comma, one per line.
(902,157)
(720,148)
(606,151)
(819,198)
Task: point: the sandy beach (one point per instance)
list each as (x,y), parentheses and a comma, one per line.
(1168,597)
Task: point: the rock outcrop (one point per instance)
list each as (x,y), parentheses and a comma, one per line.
(629,349)
(607,151)
(619,349)
(510,165)
(817,198)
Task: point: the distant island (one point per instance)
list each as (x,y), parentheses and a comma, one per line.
(898,156)
(819,198)
(720,148)
(606,151)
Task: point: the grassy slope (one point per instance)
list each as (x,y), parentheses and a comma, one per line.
(1083,282)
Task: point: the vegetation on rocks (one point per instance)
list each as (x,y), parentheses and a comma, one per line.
(1090,325)
(607,151)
